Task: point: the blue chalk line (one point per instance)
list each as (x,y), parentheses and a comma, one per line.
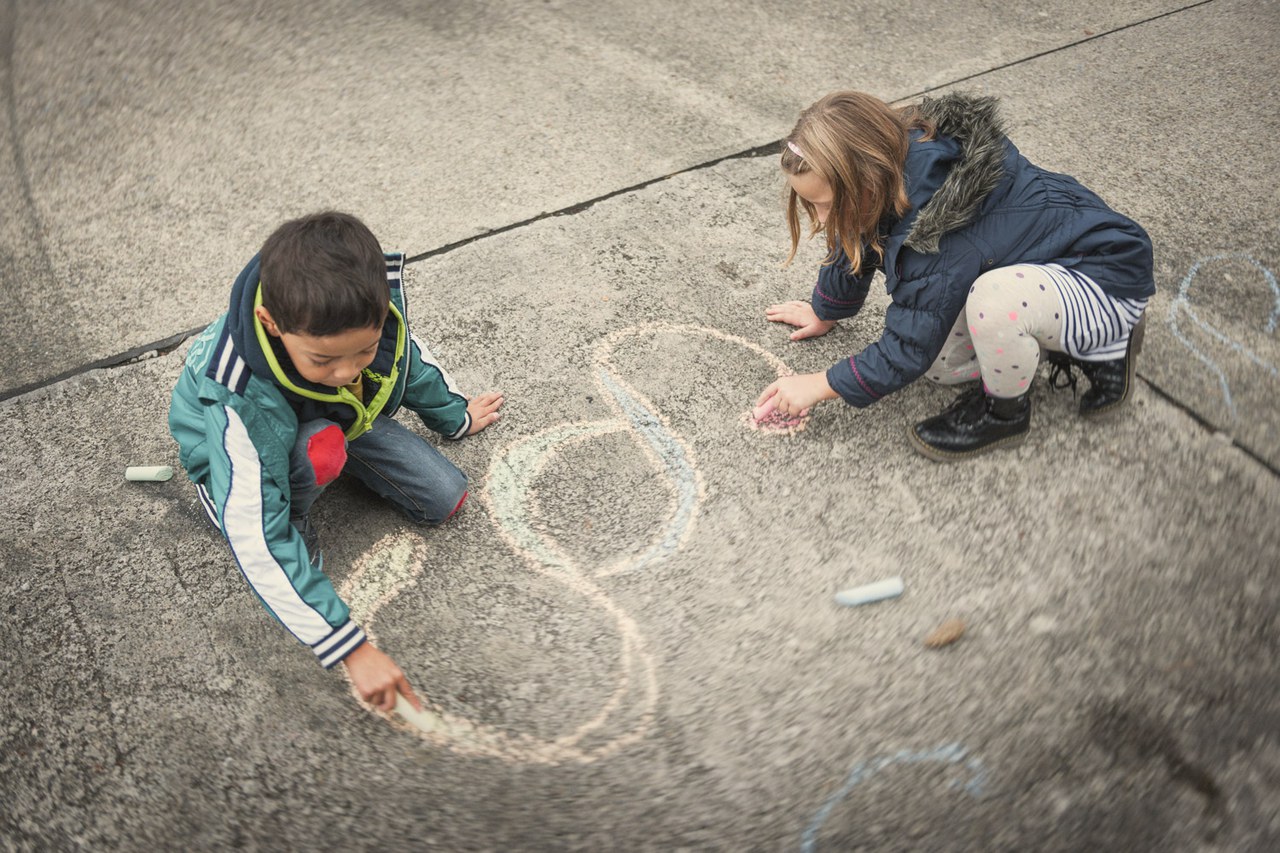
(1182,303)
(674,460)
(952,753)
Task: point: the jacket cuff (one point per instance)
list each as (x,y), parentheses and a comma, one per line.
(462,430)
(845,380)
(829,308)
(344,640)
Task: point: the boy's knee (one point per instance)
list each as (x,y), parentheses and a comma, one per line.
(444,504)
(457,506)
(327,452)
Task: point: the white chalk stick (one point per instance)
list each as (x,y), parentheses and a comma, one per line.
(424,721)
(155,473)
(868,593)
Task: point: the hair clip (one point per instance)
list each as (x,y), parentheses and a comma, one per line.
(795,149)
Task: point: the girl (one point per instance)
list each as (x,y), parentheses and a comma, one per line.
(986,257)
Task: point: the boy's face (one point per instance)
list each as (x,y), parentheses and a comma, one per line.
(332,360)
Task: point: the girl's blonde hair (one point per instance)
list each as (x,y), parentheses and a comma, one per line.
(858,144)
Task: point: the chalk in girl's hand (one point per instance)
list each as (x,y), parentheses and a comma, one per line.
(868,593)
(766,418)
(153,473)
(762,411)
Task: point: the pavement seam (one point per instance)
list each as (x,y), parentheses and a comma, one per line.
(1208,425)
(768,148)
(9,28)
(166,345)
(163,346)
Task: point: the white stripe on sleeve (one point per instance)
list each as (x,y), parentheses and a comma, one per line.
(429,358)
(242,521)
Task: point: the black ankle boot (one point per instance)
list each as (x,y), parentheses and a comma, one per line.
(1110,382)
(973,424)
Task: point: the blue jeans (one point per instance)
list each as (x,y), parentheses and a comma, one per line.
(393,461)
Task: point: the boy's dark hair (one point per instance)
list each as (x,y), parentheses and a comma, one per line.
(322,274)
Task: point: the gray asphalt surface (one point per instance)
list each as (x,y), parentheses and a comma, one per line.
(630,632)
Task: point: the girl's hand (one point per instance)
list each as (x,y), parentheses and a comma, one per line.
(484,410)
(377,678)
(793,395)
(797,313)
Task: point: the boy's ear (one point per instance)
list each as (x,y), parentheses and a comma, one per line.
(264,317)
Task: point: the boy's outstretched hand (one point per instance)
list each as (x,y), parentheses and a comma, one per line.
(483,409)
(377,678)
(801,314)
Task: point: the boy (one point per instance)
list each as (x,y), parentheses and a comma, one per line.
(296,383)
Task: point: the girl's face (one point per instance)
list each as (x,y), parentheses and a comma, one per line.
(814,189)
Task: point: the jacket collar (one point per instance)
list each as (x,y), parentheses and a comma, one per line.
(946,204)
(243,328)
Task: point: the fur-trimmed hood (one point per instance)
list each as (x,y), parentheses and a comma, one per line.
(974,122)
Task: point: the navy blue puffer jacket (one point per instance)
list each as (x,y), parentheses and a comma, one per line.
(976,204)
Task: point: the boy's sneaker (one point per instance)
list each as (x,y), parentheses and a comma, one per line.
(310,536)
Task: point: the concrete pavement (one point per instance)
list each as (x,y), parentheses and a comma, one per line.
(630,632)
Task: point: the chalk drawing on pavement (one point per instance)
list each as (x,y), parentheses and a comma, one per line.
(626,714)
(952,753)
(1182,306)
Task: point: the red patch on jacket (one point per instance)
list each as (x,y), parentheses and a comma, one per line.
(327,451)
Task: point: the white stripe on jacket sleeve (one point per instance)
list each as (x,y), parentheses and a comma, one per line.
(243,525)
(462,430)
(428,357)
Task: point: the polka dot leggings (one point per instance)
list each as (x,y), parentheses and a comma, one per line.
(1010,314)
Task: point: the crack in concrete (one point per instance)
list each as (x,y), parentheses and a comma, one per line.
(9,29)
(8,16)
(98,675)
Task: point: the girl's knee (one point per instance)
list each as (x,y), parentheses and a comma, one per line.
(992,290)
(996,303)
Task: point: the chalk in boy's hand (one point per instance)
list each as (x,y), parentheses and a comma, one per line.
(794,395)
(377,679)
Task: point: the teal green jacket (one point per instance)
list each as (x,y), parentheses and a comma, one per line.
(235,413)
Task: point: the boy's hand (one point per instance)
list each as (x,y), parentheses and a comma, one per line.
(377,678)
(484,410)
(796,313)
(793,395)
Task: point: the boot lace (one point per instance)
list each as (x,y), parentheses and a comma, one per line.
(966,399)
(1060,373)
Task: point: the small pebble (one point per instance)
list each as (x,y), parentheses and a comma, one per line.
(945,634)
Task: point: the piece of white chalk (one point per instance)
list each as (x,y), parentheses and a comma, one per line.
(154,473)
(423,721)
(868,593)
